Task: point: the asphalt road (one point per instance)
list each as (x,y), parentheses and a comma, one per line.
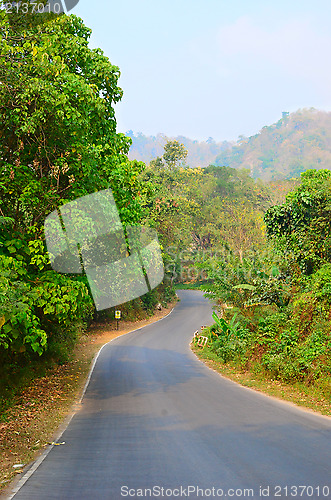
(153,416)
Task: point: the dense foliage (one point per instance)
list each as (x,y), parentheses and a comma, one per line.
(281,297)
(197,211)
(301,226)
(58,141)
(297,142)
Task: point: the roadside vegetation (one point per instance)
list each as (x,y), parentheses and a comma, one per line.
(261,252)
(274,303)
(58,141)
(298,393)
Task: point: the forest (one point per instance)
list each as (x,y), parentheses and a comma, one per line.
(260,250)
(297,142)
(200,153)
(58,142)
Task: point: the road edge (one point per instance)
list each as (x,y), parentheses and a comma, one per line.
(33,466)
(294,406)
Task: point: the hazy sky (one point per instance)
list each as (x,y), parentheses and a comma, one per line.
(219,68)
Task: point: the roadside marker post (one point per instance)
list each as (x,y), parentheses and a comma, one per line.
(202,341)
(117,317)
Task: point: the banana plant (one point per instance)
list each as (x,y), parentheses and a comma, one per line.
(225,327)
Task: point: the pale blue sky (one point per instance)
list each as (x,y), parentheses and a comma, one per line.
(219,68)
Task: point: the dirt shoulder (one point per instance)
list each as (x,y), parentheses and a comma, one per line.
(43,408)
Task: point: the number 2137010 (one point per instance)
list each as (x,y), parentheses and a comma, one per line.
(31,7)
(300,491)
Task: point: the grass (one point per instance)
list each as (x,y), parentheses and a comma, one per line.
(309,397)
(194,285)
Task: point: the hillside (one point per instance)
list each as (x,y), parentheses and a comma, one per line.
(200,153)
(297,142)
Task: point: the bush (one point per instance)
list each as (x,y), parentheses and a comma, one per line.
(284,367)
(36,308)
(229,339)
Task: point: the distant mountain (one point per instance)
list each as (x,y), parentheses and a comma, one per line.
(200,153)
(297,142)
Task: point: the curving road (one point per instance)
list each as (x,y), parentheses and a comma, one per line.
(153,416)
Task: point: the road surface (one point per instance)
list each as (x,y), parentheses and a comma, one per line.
(156,423)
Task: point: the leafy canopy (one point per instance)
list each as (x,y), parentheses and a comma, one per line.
(301,226)
(58,142)
(58,138)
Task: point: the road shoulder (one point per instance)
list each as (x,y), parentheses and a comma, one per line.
(44,409)
(299,396)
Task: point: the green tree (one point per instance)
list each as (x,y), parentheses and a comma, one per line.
(174,153)
(301,226)
(58,141)
(58,138)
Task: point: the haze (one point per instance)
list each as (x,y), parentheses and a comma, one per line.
(213,67)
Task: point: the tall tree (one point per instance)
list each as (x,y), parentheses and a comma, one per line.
(58,136)
(174,153)
(301,226)
(58,141)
